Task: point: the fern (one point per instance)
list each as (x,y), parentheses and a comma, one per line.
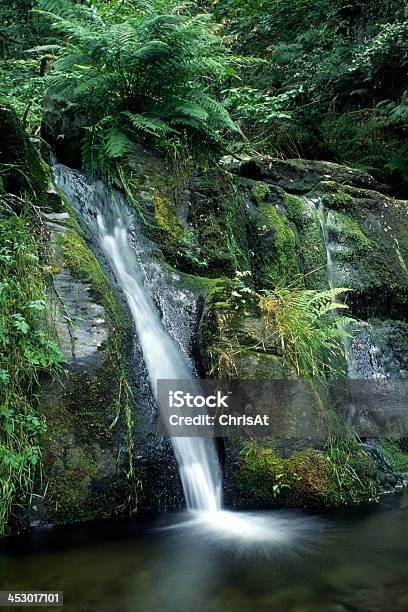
(308,334)
(148,124)
(117,143)
(156,76)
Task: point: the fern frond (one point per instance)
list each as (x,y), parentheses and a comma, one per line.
(148,124)
(117,143)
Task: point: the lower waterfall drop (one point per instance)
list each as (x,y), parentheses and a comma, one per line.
(104,213)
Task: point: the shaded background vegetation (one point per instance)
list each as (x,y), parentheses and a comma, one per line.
(308,78)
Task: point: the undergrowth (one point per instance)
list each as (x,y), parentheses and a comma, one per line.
(27,351)
(303,324)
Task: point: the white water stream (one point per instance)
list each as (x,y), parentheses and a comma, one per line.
(108,221)
(107,217)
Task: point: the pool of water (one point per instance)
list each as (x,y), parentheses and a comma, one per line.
(233,562)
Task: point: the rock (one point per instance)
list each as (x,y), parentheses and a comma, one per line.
(389,479)
(299,176)
(63,128)
(85,460)
(368,233)
(25,171)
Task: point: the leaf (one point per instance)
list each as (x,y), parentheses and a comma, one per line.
(38,305)
(20,323)
(117,143)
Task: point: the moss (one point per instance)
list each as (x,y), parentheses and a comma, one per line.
(294,207)
(396,452)
(166,217)
(219,242)
(88,459)
(79,456)
(275,259)
(83,265)
(24,170)
(374,227)
(309,240)
(349,232)
(200,284)
(309,477)
(234,339)
(260,192)
(338,196)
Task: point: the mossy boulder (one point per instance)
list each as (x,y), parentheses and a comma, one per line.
(299,176)
(24,172)
(234,340)
(334,476)
(369,236)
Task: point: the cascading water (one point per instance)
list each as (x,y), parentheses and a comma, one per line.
(105,214)
(365,358)
(107,217)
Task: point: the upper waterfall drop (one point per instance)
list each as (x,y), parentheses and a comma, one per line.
(104,213)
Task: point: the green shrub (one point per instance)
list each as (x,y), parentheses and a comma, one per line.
(396,452)
(306,330)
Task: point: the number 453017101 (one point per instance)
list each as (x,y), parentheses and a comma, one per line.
(31,598)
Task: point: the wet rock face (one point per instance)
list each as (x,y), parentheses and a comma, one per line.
(84,472)
(93,436)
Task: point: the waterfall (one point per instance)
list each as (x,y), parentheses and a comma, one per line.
(365,358)
(106,216)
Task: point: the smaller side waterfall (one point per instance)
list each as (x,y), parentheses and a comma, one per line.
(105,215)
(365,358)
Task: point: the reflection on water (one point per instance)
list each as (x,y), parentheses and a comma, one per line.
(234,562)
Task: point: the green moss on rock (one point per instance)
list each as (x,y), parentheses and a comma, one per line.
(307,478)
(396,452)
(275,256)
(24,170)
(370,231)
(87,454)
(234,340)
(83,265)
(310,247)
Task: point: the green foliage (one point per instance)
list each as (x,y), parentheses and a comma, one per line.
(264,474)
(150,78)
(396,452)
(306,330)
(331,84)
(18,28)
(27,351)
(22,87)
(354,472)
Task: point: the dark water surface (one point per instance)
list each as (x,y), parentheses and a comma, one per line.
(280,561)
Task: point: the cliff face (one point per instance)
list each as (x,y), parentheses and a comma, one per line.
(218,237)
